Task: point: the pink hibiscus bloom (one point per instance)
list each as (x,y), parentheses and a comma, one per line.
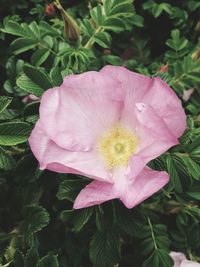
(181,261)
(107,126)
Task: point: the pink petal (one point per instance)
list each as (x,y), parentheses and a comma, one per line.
(76,113)
(177,257)
(154,92)
(167,105)
(93,194)
(52,157)
(187,263)
(181,261)
(131,82)
(187,94)
(145,185)
(131,194)
(154,137)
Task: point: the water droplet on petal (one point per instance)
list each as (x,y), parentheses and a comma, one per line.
(140,106)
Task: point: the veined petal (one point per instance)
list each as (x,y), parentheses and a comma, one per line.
(133,84)
(167,105)
(145,185)
(95,193)
(131,194)
(52,157)
(82,108)
(154,137)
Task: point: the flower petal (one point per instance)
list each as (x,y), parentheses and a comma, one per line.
(154,137)
(145,185)
(177,257)
(154,92)
(93,194)
(52,157)
(167,105)
(77,112)
(136,84)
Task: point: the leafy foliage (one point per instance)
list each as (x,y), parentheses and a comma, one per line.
(38,225)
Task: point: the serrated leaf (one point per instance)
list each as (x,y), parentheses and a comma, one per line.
(13,133)
(68,189)
(104,248)
(40,56)
(36,218)
(48,261)
(159,258)
(26,84)
(14,28)
(6,161)
(103,39)
(21,45)
(4,102)
(81,218)
(38,76)
(173,172)
(56,76)
(31,257)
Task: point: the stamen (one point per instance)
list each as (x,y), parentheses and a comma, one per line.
(117,146)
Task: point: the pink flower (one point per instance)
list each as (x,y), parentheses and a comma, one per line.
(30,98)
(181,261)
(107,126)
(187,94)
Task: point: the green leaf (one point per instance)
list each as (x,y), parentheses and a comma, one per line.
(81,218)
(26,84)
(6,161)
(21,45)
(34,80)
(38,76)
(159,258)
(14,28)
(48,261)
(192,166)
(13,133)
(173,167)
(4,102)
(56,76)
(40,56)
(104,248)
(36,218)
(17,260)
(68,189)
(103,39)
(31,257)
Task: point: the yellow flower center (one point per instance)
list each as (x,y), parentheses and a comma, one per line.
(117,146)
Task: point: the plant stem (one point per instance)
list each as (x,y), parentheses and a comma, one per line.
(92,38)
(152,234)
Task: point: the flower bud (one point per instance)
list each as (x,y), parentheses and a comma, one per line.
(50,10)
(163,68)
(71,28)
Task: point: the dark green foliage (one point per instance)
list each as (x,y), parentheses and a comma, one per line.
(38,225)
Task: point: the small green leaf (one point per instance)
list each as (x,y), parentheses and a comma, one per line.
(36,218)
(13,133)
(6,160)
(48,261)
(14,28)
(172,166)
(103,39)
(105,248)
(4,102)
(21,45)
(26,84)
(38,76)
(40,56)
(81,218)
(31,257)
